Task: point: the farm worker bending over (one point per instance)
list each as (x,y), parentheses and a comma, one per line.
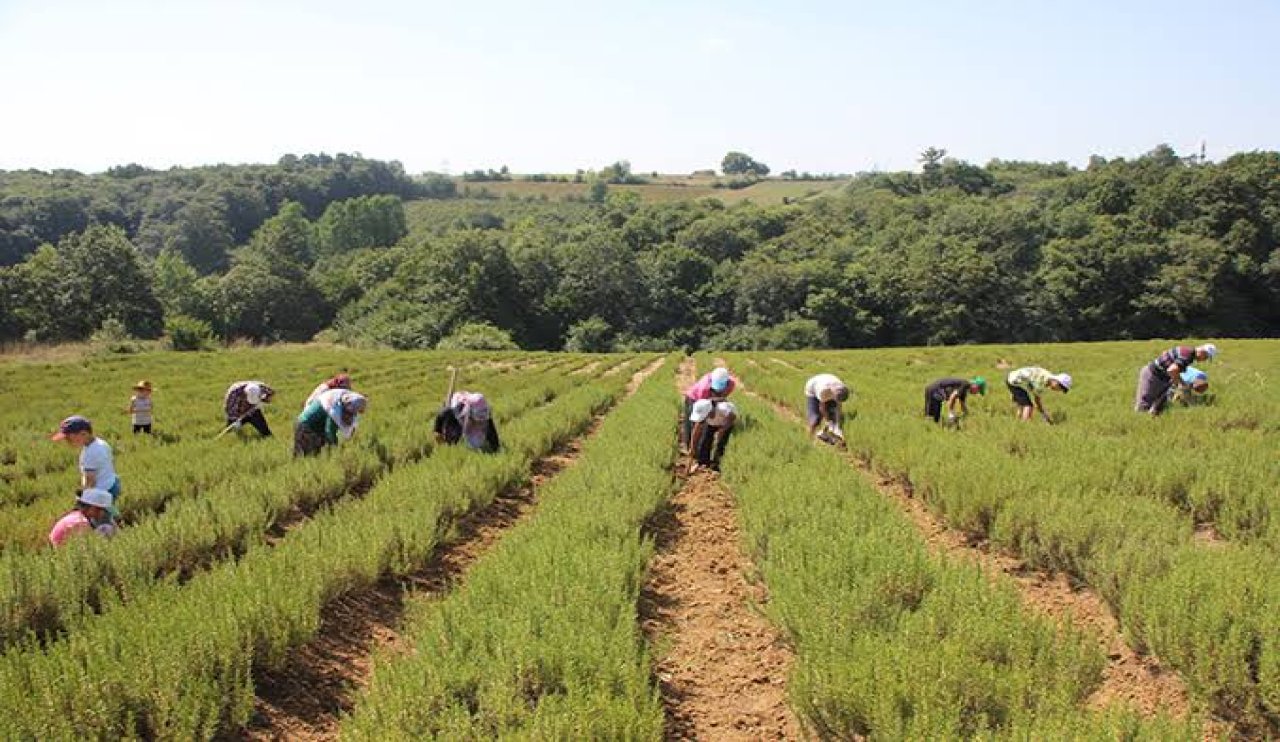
(140,407)
(952,392)
(92,513)
(341,381)
(243,404)
(329,419)
(1194,385)
(1027,384)
(823,396)
(97,467)
(714,385)
(1156,378)
(712,425)
(468,418)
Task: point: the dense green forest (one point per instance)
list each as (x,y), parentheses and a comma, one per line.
(357,251)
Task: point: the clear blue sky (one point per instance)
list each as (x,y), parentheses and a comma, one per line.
(670,86)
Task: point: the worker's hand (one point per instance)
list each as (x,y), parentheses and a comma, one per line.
(236,425)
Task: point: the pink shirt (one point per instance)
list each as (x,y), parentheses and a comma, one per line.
(702,388)
(67,525)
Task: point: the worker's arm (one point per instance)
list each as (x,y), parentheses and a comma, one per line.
(88,479)
(1040,407)
(699,428)
(330,430)
(953,401)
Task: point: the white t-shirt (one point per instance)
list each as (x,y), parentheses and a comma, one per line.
(823,386)
(714,414)
(96,457)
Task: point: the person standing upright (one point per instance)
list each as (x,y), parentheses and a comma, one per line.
(141,408)
(97,465)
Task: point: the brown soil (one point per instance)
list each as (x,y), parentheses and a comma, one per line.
(588,369)
(1139,681)
(638,377)
(723,666)
(1206,534)
(305,697)
(787,364)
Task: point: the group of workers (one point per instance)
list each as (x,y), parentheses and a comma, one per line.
(709,417)
(332,412)
(329,416)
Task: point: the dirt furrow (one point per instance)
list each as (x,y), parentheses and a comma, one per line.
(723,666)
(305,698)
(1139,681)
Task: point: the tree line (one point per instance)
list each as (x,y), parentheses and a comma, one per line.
(1153,246)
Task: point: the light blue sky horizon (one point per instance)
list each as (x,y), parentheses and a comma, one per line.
(824,86)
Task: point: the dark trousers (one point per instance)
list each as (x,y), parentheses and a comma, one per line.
(142,428)
(306,442)
(1020,396)
(686,426)
(258,421)
(933,407)
(710,440)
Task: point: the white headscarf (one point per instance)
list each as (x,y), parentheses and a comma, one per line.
(336,401)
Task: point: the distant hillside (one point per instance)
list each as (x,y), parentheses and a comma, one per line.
(663,188)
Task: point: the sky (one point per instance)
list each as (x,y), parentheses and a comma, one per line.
(669,85)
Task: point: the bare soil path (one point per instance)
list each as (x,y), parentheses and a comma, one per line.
(1139,681)
(722,666)
(305,698)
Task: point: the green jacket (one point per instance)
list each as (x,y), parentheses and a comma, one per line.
(318,419)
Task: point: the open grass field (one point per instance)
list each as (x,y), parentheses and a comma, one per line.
(1108,577)
(664,188)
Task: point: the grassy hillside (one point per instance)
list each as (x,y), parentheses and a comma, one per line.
(662,188)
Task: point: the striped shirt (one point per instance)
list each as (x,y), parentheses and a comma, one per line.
(141,407)
(1182,355)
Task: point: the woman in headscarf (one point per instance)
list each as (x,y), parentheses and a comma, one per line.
(331,418)
(468,418)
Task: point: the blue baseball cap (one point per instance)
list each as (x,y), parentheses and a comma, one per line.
(73,424)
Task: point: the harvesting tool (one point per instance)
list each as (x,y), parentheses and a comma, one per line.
(453,380)
(229,428)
